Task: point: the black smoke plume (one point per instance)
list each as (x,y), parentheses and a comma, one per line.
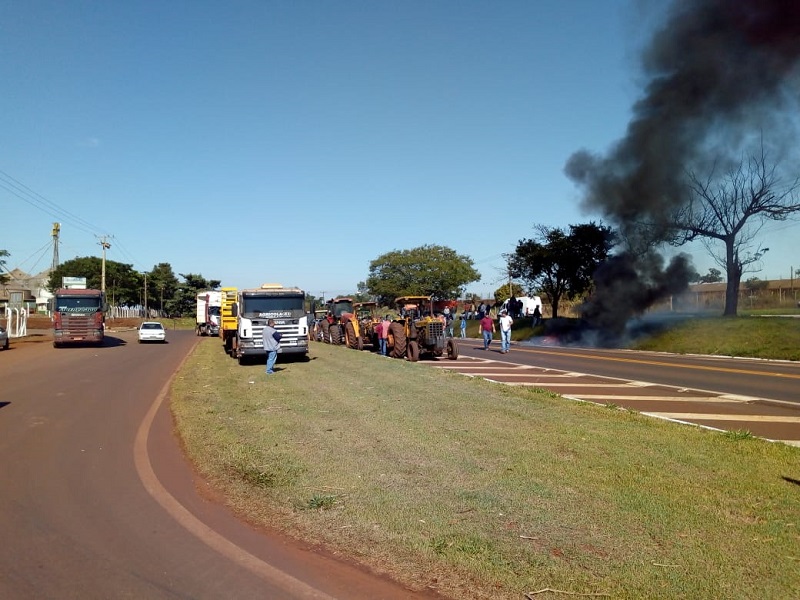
(718,72)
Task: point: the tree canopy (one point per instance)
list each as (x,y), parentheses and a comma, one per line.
(184,300)
(3,276)
(504,292)
(123,283)
(126,286)
(429,270)
(561,262)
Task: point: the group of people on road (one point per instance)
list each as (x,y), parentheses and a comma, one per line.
(487,330)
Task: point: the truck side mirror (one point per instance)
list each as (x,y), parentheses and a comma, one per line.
(235,309)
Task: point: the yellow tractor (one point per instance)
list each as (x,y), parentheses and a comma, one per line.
(418,333)
(368,317)
(316,327)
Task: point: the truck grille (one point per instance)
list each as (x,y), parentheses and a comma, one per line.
(77,325)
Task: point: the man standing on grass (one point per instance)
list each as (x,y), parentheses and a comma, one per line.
(487,329)
(505,331)
(272,340)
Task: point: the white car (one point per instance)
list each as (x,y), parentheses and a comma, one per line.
(152,331)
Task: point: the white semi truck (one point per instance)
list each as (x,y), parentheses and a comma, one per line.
(254,307)
(209,305)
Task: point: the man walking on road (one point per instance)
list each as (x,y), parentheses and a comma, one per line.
(505,331)
(487,329)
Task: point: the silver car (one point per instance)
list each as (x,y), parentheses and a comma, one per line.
(152,331)
(3,338)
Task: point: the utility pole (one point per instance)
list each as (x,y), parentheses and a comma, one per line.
(105,246)
(56,231)
(145,295)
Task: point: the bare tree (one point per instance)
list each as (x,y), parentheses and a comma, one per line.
(733,209)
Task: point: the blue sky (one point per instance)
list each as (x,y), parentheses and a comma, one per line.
(295,142)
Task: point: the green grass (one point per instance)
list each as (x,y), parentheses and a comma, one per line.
(754,337)
(485,491)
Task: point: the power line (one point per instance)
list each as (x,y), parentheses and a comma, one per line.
(35,199)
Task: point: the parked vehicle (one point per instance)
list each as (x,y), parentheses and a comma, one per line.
(367,318)
(340,325)
(316,326)
(78,316)
(528,305)
(254,307)
(418,333)
(228,322)
(3,339)
(209,305)
(151,331)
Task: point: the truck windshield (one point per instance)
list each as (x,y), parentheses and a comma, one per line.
(213,311)
(274,306)
(78,304)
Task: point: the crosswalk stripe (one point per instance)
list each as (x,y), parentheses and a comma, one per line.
(621,398)
(717,417)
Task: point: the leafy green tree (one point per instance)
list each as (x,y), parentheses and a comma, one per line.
(429,270)
(560,263)
(3,276)
(161,285)
(123,283)
(713,276)
(184,301)
(754,285)
(501,294)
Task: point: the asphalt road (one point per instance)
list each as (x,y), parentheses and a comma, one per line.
(96,500)
(759,396)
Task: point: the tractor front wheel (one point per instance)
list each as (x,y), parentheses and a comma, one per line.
(335,335)
(452,349)
(413,351)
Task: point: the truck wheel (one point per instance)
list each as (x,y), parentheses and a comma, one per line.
(397,331)
(413,351)
(336,335)
(452,349)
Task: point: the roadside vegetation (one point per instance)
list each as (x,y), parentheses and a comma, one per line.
(480,490)
(756,336)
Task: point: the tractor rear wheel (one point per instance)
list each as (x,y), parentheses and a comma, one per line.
(413,351)
(399,333)
(335,335)
(350,335)
(452,349)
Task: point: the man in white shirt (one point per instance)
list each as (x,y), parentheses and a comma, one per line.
(505,331)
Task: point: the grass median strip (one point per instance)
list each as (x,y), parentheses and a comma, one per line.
(467,487)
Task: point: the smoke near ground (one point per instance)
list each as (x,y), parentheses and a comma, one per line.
(719,73)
